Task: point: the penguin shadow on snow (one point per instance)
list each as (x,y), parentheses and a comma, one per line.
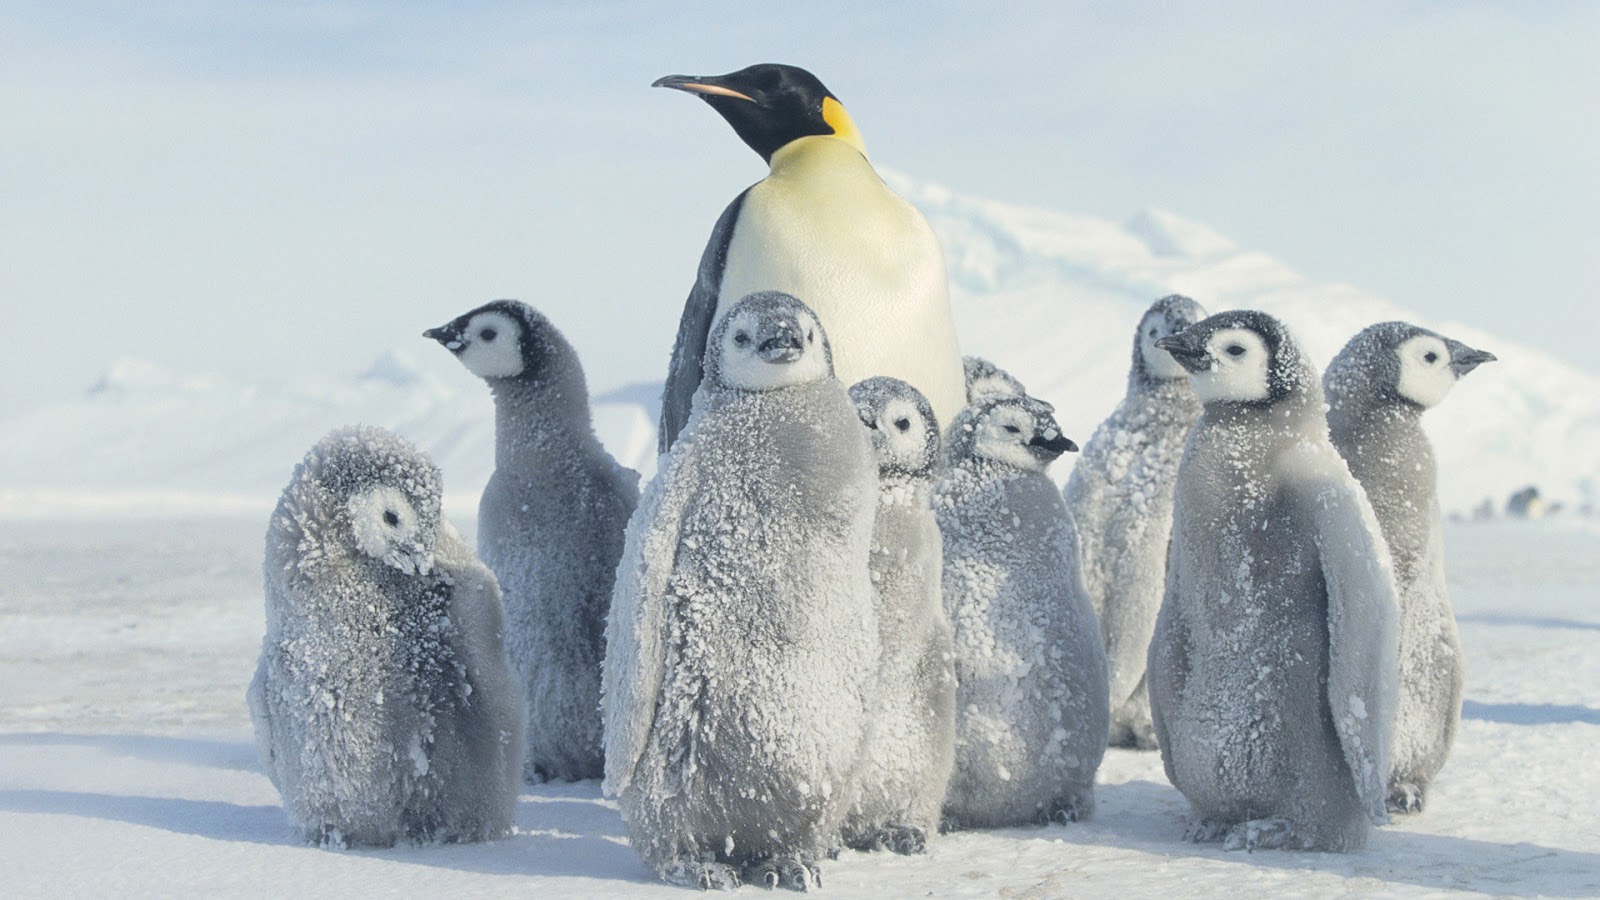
(200,818)
(1148,816)
(1529,713)
(237,756)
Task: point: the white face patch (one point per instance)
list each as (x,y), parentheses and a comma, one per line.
(1157,362)
(1238,373)
(743,365)
(493,346)
(1425,375)
(1003,436)
(385,527)
(902,435)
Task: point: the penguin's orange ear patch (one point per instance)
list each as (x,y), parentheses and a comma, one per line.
(844,127)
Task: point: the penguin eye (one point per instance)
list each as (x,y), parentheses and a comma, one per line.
(1012,429)
(811,337)
(1430,357)
(391,518)
(741,338)
(903,424)
(1235,350)
(488,334)
(1152,332)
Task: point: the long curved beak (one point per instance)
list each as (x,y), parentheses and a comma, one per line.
(706,85)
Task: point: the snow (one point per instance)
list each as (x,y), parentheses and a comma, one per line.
(1046,295)
(127,766)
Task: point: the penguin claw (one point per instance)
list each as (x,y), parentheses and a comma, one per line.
(1266,834)
(785,872)
(1405,798)
(1205,831)
(704,874)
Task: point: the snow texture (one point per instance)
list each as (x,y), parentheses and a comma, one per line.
(1120,498)
(984,379)
(743,641)
(550,525)
(910,748)
(1031,709)
(1271,673)
(1374,420)
(383,703)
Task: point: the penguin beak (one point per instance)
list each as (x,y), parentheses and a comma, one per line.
(1464,359)
(1192,358)
(448,335)
(704,85)
(784,347)
(1053,442)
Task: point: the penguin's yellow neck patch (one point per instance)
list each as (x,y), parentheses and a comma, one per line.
(844,127)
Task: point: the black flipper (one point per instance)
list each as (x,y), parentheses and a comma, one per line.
(683,375)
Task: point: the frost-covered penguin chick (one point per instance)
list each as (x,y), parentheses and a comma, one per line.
(910,749)
(985,379)
(742,647)
(1271,673)
(384,706)
(1378,387)
(1120,497)
(1031,708)
(550,525)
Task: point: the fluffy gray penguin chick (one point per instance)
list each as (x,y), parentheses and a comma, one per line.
(911,746)
(1031,707)
(743,641)
(384,706)
(1377,388)
(1272,669)
(550,525)
(985,379)
(1120,497)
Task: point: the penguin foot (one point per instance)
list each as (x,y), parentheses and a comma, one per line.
(906,840)
(705,874)
(1075,808)
(1205,831)
(1275,833)
(1133,737)
(1405,797)
(785,872)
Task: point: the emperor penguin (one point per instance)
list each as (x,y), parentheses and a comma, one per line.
(1120,497)
(550,525)
(984,378)
(742,648)
(1378,387)
(1272,669)
(911,746)
(384,706)
(1031,700)
(824,227)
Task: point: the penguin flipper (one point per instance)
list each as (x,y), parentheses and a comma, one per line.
(1363,618)
(699,312)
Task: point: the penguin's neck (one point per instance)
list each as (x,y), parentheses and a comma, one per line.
(821,159)
(538,423)
(1162,401)
(904,489)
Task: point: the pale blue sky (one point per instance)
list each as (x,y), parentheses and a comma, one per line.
(232,188)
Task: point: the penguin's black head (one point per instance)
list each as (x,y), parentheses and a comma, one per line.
(1165,317)
(769,105)
(1240,357)
(500,339)
(1399,362)
(905,432)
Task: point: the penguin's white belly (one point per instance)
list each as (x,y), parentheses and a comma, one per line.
(865,261)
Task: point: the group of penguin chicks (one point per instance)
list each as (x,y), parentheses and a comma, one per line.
(829,622)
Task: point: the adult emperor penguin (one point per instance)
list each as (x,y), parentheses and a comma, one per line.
(823,227)
(384,705)
(1120,497)
(550,525)
(743,643)
(1272,669)
(911,747)
(1031,709)
(1377,388)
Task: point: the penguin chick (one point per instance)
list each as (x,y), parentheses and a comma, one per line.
(550,525)
(824,227)
(1031,708)
(743,643)
(384,706)
(911,745)
(985,379)
(1377,389)
(1272,669)
(1120,498)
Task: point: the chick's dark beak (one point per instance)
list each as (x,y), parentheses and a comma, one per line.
(783,347)
(1464,359)
(1055,444)
(1192,358)
(448,335)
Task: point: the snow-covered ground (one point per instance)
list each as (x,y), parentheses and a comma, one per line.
(127,767)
